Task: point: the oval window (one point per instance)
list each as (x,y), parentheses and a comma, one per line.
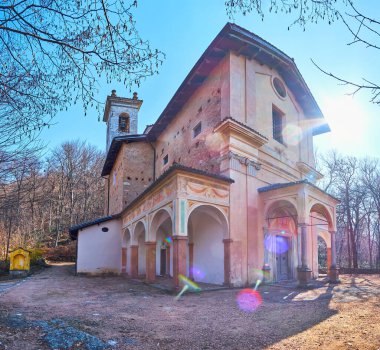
(279,87)
(105,229)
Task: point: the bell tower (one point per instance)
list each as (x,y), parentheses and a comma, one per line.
(121,116)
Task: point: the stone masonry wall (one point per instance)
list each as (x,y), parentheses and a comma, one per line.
(138,169)
(131,174)
(177,141)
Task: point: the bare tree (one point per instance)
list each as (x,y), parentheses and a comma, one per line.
(364,28)
(356,183)
(53,53)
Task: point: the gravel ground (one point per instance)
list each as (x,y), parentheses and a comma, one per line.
(57,310)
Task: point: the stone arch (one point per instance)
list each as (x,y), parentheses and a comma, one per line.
(218,214)
(207,227)
(321,210)
(158,218)
(133,230)
(161,232)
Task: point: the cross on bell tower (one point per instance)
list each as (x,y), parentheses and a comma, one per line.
(121,116)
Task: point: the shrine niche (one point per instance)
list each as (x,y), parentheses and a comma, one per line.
(19,261)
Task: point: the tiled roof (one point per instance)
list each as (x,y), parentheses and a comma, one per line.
(288,184)
(115,148)
(73,231)
(235,38)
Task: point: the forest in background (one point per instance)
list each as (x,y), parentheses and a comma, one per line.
(41,199)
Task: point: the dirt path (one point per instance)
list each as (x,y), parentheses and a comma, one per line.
(57,310)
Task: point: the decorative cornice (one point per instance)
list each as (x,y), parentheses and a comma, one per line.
(232,128)
(312,174)
(242,160)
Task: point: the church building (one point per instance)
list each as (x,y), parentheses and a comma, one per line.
(221,188)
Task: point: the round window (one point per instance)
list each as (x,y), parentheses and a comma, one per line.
(105,229)
(279,87)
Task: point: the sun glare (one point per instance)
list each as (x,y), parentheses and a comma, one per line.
(348,123)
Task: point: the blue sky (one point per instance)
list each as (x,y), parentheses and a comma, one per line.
(184,31)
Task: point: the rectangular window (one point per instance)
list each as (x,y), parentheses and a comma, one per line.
(197,129)
(278,125)
(166,159)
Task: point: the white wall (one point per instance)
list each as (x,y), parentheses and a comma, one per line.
(208,250)
(141,255)
(100,252)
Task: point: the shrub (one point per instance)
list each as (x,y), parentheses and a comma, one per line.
(36,255)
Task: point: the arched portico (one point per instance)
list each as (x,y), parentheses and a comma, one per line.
(207,228)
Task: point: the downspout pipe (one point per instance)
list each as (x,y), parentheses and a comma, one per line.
(108,193)
(154,160)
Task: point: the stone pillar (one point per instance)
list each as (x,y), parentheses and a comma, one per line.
(150,249)
(124,260)
(167,272)
(134,261)
(334,271)
(266,266)
(179,258)
(191,261)
(304,272)
(227,261)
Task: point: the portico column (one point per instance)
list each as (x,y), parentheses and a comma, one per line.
(304,272)
(150,248)
(134,261)
(266,266)
(191,261)
(179,258)
(227,261)
(124,260)
(334,271)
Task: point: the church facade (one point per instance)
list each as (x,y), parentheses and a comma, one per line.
(221,188)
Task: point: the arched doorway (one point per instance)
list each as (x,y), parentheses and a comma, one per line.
(207,227)
(139,236)
(281,241)
(161,230)
(125,252)
(321,223)
(322,254)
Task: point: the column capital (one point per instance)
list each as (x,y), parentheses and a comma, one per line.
(178,237)
(134,246)
(332,232)
(150,243)
(227,240)
(302,224)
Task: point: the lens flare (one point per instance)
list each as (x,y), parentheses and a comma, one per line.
(187,285)
(248,300)
(292,134)
(276,244)
(198,274)
(168,240)
(281,244)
